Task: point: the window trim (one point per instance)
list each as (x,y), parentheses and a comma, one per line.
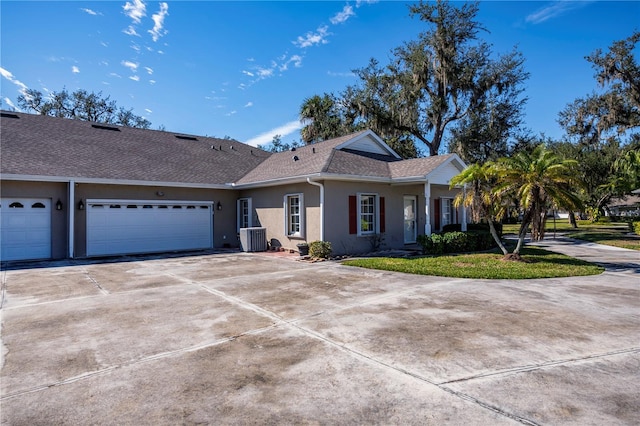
(287,216)
(446,201)
(239,211)
(376,213)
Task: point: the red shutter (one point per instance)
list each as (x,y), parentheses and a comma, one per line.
(436,214)
(382,215)
(353,215)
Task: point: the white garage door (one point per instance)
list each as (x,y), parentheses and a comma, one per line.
(25,228)
(134,226)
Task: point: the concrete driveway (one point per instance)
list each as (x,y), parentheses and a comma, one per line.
(241,338)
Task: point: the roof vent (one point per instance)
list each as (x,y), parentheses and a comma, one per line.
(186,138)
(295,158)
(313,149)
(293,148)
(8,115)
(103,127)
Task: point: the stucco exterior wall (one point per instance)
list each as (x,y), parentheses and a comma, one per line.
(59,218)
(268,212)
(337,216)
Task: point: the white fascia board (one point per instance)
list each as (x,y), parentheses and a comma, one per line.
(36,178)
(314,176)
(374,136)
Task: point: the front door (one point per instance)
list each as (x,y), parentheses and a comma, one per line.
(410,225)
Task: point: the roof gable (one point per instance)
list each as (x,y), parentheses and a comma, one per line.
(367,141)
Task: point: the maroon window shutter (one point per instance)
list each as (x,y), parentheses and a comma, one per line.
(382,215)
(353,215)
(436,214)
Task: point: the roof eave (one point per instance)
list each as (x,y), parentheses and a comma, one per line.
(38,178)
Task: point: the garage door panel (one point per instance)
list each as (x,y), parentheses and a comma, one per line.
(25,229)
(149,227)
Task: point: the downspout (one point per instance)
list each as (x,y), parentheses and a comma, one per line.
(309,181)
(72,210)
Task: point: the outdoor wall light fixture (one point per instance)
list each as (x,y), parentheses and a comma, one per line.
(80,205)
(59,204)
(160,194)
(219,205)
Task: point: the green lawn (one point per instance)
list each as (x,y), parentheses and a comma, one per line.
(613,234)
(540,264)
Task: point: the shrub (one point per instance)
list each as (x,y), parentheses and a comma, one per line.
(636,227)
(320,249)
(452,227)
(484,227)
(482,240)
(431,244)
(457,242)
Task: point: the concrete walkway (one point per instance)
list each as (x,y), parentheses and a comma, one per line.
(614,259)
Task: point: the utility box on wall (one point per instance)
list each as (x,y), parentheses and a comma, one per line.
(253,239)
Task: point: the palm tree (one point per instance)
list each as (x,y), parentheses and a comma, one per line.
(539,179)
(477,195)
(321,118)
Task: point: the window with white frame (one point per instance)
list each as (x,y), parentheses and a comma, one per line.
(367,214)
(244,213)
(294,207)
(447,211)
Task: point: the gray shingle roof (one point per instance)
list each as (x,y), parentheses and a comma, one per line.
(38,145)
(47,146)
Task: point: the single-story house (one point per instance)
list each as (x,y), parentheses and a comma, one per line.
(75,189)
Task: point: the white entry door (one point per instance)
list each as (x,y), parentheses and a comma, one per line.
(25,228)
(142,226)
(410,225)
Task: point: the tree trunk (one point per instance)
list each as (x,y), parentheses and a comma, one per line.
(572,219)
(544,225)
(495,236)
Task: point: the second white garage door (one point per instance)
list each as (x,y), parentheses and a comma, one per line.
(135,226)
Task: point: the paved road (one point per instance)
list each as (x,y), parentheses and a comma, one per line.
(247,339)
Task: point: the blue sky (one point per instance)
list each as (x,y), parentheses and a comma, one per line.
(242,69)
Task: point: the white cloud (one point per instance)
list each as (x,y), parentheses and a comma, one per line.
(134,78)
(311,39)
(340,74)
(104,43)
(554,9)
(75,70)
(135,47)
(135,10)
(148,70)
(265,73)
(340,17)
(248,105)
(148,111)
(229,114)
(152,82)
(133,66)
(296,60)
(22,88)
(361,2)
(113,74)
(284,130)
(131,31)
(249,73)
(90,12)
(11,104)
(158,22)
